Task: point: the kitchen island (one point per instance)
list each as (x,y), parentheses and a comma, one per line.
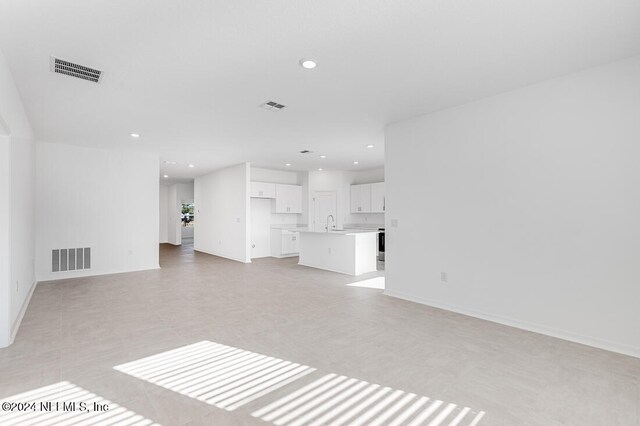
(352,252)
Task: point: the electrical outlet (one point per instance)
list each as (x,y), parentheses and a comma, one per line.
(443,277)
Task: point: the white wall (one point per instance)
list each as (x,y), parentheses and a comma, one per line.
(185,192)
(529,201)
(12,114)
(275,176)
(174,215)
(164,213)
(23,235)
(223,214)
(366,176)
(5,240)
(106,200)
(17,207)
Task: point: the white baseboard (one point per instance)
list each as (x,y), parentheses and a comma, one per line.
(308,265)
(94,273)
(222,255)
(283,256)
(23,310)
(524,325)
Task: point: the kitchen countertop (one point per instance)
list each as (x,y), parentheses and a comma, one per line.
(338,231)
(292,227)
(367,226)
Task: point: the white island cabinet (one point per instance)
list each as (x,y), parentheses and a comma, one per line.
(347,252)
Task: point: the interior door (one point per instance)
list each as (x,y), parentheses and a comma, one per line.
(324,204)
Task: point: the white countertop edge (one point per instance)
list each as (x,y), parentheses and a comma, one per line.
(342,232)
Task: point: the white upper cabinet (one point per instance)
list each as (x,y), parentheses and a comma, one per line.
(361,198)
(368,198)
(377,198)
(288,199)
(263,190)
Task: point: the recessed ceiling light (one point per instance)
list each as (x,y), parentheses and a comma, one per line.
(370,146)
(191,166)
(320,169)
(308,64)
(165,176)
(355,162)
(288,164)
(134,135)
(323,156)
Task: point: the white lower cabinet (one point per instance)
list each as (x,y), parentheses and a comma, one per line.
(284,243)
(290,243)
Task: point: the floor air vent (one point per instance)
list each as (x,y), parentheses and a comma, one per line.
(71,259)
(74,70)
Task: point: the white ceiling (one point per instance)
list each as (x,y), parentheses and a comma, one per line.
(189,75)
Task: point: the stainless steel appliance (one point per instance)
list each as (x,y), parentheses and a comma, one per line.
(381,244)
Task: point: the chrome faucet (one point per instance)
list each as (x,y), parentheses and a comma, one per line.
(333,220)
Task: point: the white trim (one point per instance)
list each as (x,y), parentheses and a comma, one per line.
(89,273)
(23,310)
(5,130)
(223,256)
(327,269)
(524,325)
(283,256)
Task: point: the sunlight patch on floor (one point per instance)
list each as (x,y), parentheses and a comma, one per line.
(64,404)
(377,283)
(220,375)
(339,400)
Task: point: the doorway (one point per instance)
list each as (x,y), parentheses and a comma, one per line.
(188,222)
(324,205)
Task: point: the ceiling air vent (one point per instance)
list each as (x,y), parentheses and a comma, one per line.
(272,106)
(74,70)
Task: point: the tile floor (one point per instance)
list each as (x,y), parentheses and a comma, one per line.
(208,341)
